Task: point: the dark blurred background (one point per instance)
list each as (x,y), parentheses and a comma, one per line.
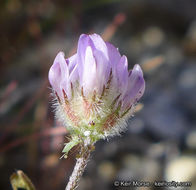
(160,141)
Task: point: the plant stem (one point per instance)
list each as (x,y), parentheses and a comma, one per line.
(81,163)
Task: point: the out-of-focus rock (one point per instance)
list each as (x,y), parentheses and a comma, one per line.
(163,118)
(173,55)
(136,125)
(187,87)
(191,34)
(166,149)
(182,169)
(191,140)
(107,170)
(153,36)
(135,167)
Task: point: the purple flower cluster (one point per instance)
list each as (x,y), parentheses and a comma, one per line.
(99,75)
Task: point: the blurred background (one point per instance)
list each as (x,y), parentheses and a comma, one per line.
(160,141)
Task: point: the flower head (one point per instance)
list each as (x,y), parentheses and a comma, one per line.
(95,91)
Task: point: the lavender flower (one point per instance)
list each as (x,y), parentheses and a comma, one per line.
(95,91)
(95,95)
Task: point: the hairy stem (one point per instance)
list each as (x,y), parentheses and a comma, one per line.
(79,167)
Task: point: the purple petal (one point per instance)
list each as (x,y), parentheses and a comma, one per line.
(89,72)
(73,71)
(99,44)
(99,56)
(122,74)
(58,74)
(113,54)
(74,75)
(136,86)
(54,77)
(114,59)
(83,43)
(100,52)
(71,62)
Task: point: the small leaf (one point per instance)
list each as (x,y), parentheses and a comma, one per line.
(70,145)
(20,181)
